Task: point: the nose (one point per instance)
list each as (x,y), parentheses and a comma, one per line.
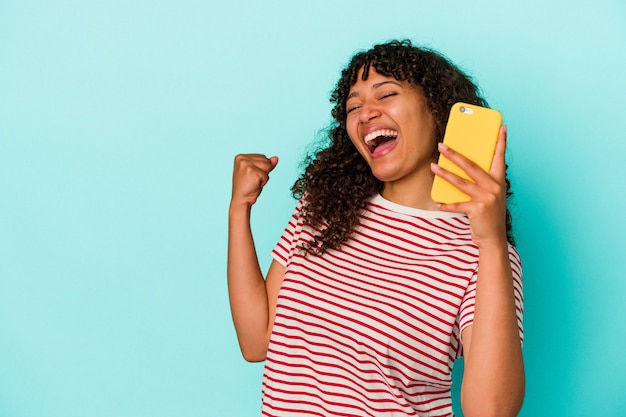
(369,111)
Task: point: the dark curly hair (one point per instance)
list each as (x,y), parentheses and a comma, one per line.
(337,182)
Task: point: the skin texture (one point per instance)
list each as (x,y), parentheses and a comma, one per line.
(381,102)
(493,381)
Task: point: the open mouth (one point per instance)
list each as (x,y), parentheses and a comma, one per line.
(380,137)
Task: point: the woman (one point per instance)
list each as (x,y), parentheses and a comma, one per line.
(375,289)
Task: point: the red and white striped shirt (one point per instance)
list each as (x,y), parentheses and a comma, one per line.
(373,329)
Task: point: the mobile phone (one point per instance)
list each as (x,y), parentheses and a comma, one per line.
(473,132)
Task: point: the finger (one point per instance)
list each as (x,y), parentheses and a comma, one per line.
(250,175)
(252,167)
(264,163)
(470,173)
(453,207)
(465,185)
(469,167)
(256,161)
(272,161)
(498,165)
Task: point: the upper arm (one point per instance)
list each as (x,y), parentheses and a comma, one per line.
(273,282)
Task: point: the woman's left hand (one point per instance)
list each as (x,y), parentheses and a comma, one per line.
(486,209)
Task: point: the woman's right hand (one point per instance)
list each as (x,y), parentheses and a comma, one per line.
(250,174)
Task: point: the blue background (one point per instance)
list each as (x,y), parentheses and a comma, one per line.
(119,121)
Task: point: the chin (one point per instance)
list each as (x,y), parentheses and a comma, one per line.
(385,175)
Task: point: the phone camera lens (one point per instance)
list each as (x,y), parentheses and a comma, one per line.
(462,109)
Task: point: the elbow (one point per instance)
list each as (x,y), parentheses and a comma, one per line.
(253,355)
(253,358)
(253,347)
(492,411)
(504,405)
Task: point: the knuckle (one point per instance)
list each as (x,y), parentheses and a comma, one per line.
(461,181)
(467,164)
(498,190)
(491,198)
(240,160)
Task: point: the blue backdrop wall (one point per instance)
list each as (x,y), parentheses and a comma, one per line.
(118,124)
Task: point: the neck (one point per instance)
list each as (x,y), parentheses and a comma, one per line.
(414,192)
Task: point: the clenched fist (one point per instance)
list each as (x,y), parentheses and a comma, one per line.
(250,174)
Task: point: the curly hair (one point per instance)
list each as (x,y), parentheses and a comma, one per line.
(337,182)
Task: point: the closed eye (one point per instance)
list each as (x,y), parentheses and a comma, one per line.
(388,94)
(350,109)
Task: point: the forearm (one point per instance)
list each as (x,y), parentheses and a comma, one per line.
(493,382)
(246,287)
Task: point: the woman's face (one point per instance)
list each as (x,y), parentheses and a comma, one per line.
(390,124)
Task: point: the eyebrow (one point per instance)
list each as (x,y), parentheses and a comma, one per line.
(374,87)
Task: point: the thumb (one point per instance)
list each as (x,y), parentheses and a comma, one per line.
(273,162)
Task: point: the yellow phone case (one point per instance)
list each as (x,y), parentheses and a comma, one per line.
(473,132)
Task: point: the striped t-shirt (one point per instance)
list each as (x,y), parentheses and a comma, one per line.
(373,329)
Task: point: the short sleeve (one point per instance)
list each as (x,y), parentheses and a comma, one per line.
(287,242)
(516,267)
(466,311)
